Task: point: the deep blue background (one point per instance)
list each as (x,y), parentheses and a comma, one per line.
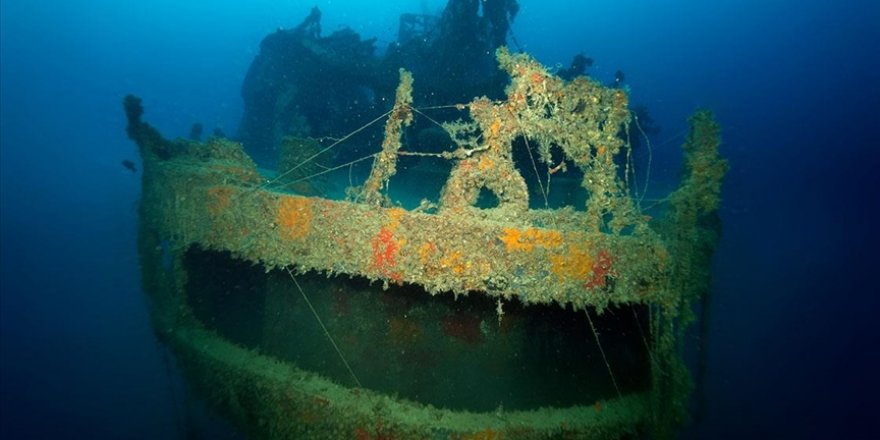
(794,343)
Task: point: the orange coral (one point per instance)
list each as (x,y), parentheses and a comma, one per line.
(579,265)
(454,261)
(537,78)
(394,216)
(495,128)
(485,163)
(518,240)
(425,251)
(294,217)
(576,264)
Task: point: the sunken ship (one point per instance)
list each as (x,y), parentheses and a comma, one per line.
(529,294)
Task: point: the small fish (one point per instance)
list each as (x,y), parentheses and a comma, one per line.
(129,165)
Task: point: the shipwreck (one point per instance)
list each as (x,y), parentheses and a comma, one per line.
(303,316)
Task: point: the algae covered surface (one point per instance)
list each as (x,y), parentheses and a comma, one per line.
(605,255)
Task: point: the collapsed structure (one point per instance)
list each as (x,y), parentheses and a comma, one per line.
(408,351)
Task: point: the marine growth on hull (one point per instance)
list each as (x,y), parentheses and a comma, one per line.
(531,295)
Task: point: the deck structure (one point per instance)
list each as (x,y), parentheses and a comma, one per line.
(586,259)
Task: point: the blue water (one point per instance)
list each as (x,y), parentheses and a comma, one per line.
(793,347)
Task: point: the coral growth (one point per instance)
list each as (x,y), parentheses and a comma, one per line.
(702,160)
(385,250)
(582,118)
(573,265)
(526,240)
(602,269)
(386,247)
(385,164)
(294,217)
